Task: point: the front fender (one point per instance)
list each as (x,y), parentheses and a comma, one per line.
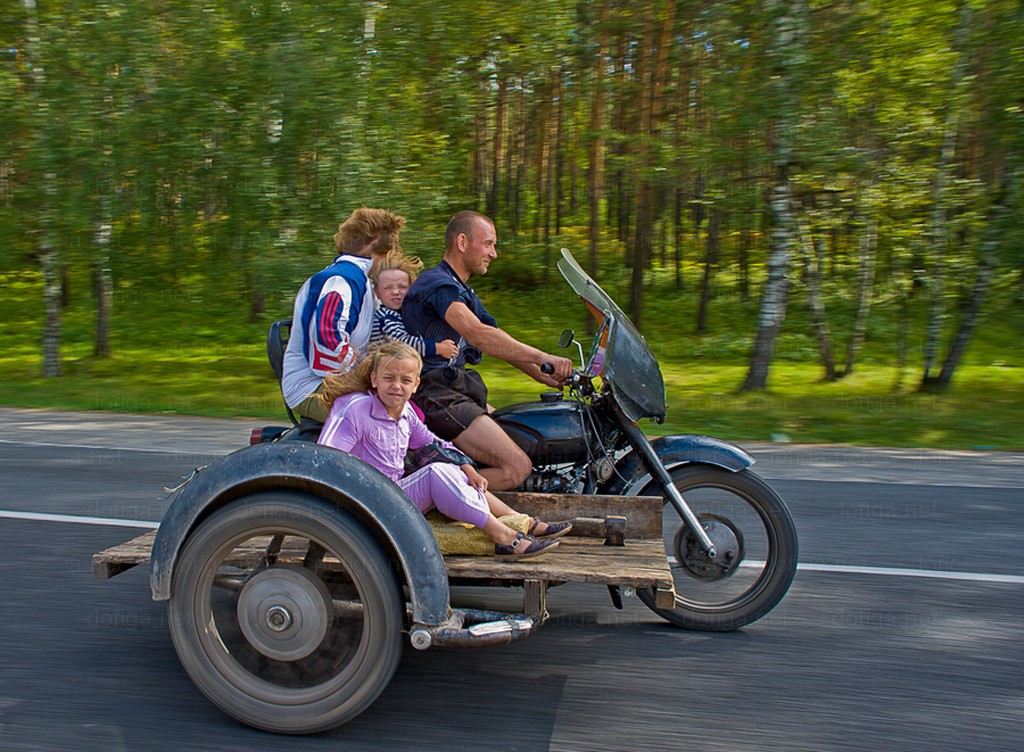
(326,473)
(631,474)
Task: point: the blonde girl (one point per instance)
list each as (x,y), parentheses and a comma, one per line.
(370,417)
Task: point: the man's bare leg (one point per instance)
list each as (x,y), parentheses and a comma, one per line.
(506,464)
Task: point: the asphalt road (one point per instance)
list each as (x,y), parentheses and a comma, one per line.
(903,630)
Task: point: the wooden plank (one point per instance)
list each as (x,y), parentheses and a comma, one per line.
(615,530)
(535,598)
(642,513)
(120,558)
(638,563)
(664,598)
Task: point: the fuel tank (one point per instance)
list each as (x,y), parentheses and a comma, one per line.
(550,431)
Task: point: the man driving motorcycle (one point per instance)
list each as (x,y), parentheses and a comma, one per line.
(441,305)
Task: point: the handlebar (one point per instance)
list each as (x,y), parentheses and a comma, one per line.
(579,379)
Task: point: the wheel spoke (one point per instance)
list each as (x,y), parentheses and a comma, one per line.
(273,619)
(756,544)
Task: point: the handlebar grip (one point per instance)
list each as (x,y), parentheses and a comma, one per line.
(547,368)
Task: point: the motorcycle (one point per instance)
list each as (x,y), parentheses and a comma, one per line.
(729,537)
(292,570)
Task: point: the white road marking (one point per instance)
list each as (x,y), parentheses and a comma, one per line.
(97,446)
(78,519)
(932,574)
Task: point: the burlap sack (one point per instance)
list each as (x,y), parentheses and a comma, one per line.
(455,537)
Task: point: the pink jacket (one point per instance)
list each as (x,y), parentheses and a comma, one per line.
(359,424)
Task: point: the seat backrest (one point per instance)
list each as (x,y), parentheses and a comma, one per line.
(277,341)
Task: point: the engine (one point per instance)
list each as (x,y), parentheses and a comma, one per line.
(551,431)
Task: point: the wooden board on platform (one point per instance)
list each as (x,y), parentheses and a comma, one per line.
(638,563)
(642,513)
(116,559)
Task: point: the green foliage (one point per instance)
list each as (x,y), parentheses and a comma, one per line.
(171,360)
(225,141)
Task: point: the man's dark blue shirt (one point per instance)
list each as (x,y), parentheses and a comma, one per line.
(426,304)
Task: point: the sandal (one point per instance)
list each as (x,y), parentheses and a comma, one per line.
(523,547)
(555,529)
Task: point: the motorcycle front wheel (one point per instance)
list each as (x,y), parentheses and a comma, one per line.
(757,549)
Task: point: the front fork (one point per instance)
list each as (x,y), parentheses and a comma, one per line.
(658,471)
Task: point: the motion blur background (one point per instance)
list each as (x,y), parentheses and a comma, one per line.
(810,208)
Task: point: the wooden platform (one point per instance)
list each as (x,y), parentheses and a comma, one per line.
(120,558)
(637,563)
(638,560)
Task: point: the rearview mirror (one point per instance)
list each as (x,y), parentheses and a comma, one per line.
(568,338)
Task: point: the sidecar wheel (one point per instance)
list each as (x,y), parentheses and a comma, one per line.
(757,544)
(285,614)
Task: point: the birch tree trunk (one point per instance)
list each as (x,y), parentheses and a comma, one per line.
(995,234)
(812,260)
(939,249)
(49,255)
(865,286)
(789,54)
(102,283)
(959,84)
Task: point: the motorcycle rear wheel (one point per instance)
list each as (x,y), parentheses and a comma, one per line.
(757,534)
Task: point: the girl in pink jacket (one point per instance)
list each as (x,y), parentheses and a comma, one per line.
(370,417)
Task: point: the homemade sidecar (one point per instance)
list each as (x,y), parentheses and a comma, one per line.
(292,572)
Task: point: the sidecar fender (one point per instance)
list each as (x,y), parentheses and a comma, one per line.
(631,474)
(325,474)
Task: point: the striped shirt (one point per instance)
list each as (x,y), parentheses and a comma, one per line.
(388,325)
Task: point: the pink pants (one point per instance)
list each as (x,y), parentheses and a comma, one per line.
(446,488)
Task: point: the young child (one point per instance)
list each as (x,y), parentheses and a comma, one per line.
(392,276)
(370,417)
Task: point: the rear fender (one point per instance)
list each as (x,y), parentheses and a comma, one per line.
(631,474)
(325,473)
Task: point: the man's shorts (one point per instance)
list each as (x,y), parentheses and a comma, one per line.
(312,407)
(451,399)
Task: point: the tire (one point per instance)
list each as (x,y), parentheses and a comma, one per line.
(293,642)
(751,524)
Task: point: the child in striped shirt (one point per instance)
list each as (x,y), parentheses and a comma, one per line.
(392,276)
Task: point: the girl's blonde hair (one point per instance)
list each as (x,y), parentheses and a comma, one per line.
(358,379)
(396,260)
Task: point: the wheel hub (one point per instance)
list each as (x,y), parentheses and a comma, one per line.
(285,612)
(279,618)
(728,542)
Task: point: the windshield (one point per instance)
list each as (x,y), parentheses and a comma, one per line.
(629,365)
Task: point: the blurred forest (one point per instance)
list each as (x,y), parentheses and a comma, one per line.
(825,153)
